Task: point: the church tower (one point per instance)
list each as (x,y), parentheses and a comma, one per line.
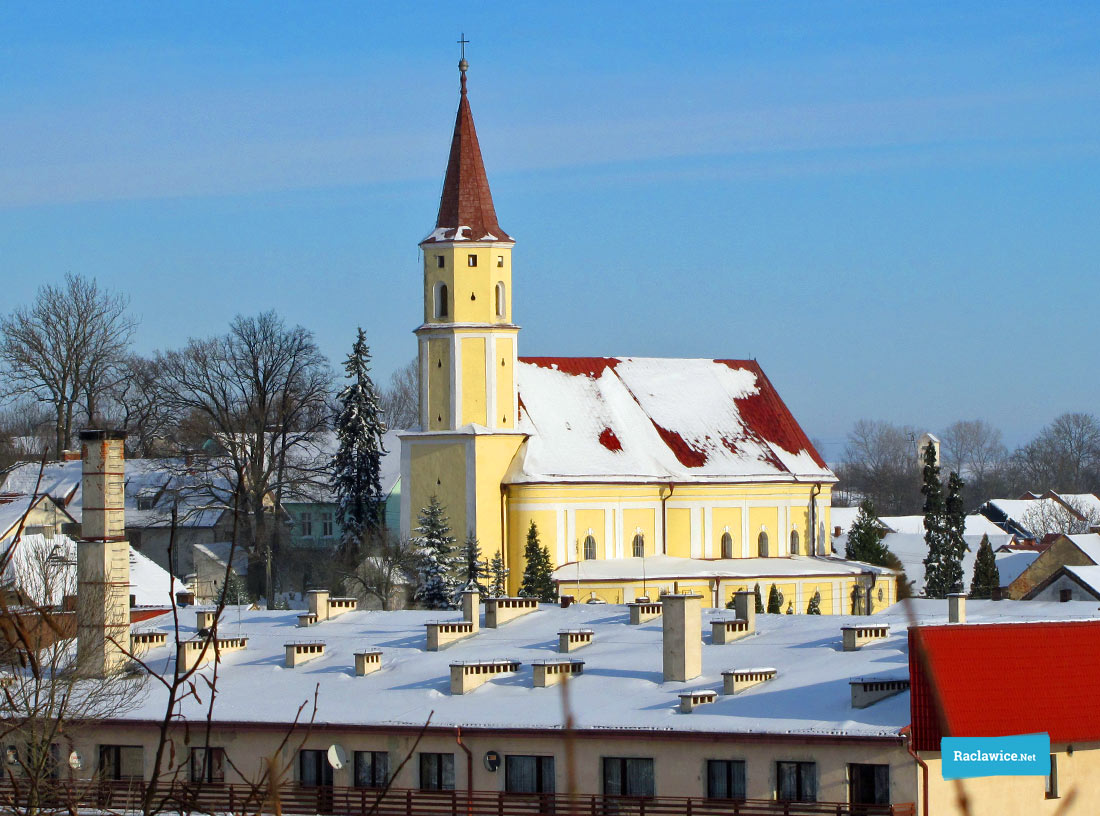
(467,355)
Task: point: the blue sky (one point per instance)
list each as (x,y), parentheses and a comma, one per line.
(893,207)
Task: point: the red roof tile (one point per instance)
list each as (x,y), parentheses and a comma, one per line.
(466,200)
(979,674)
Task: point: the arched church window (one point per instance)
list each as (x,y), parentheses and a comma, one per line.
(589,548)
(794,542)
(727,545)
(762,544)
(638,546)
(441,305)
(500,299)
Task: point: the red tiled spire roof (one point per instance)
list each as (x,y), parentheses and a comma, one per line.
(466,200)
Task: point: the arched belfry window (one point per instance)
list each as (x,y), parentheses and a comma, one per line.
(727,545)
(762,544)
(794,542)
(500,299)
(589,548)
(638,546)
(442,308)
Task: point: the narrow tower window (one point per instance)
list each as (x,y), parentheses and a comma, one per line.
(638,546)
(500,261)
(589,548)
(441,308)
(439,262)
(762,545)
(794,542)
(727,545)
(500,298)
(471,260)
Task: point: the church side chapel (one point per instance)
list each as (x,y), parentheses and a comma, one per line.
(643,476)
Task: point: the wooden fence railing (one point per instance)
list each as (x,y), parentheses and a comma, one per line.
(123,797)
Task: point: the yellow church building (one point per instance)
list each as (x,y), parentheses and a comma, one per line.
(643,475)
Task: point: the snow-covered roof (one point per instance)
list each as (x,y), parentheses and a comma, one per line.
(911,550)
(1087,503)
(1023,511)
(1011,564)
(621,686)
(976,525)
(667,567)
(653,419)
(1089,576)
(1089,544)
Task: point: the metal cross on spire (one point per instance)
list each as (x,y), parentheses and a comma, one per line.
(462,64)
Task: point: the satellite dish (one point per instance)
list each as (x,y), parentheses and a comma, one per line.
(337,756)
(76,761)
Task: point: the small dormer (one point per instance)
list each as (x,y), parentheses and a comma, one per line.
(368,661)
(735,681)
(569,640)
(467,675)
(302,651)
(690,700)
(441,634)
(866,691)
(642,612)
(552,671)
(499,611)
(858,636)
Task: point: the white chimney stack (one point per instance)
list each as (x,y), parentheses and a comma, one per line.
(956,607)
(471,608)
(682,640)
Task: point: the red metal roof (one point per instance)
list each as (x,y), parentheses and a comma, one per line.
(992,680)
(466,199)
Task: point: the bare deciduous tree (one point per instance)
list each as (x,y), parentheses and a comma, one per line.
(401,399)
(1065,456)
(65,349)
(974,449)
(137,405)
(880,463)
(384,574)
(260,393)
(1066,516)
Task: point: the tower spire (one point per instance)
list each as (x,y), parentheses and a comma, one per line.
(466,211)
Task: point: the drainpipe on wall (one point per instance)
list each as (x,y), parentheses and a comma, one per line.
(470,771)
(813,517)
(924,771)
(664,516)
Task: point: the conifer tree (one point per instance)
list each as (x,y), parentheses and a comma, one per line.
(937,569)
(814,607)
(987,577)
(357,465)
(759,606)
(865,537)
(955,522)
(437,584)
(538,571)
(473,571)
(775,601)
(498,584)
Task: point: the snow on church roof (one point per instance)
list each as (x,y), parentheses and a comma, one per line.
(657,419)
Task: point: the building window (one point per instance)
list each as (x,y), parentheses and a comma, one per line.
(794,542)
(796,781)
(441,306)
(589,548)
(500,261)
(306,521)
(637,546)
(1052,779)
(529,774)
(208,765)
(439,262)
(471,260)
(762,544)
(727,545)
(326,524)
(372,769)
(725,779)
(117,762)
(869,784)
(500,298)
(1065,595)
(624,776)
(437,771)
(313,769)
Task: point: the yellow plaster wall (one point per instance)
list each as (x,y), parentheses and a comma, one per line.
(438,468)
(645,519)
(505,382)
(769,518)
(472,290)
(519,522)
(492,455)
(721,518)
(473,381)
(594,520)
(679,532)
(439,384)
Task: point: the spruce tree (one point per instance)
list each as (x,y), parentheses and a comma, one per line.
(814,607)
(759,606)
(498,583)
(937,570)
(357,465)
(865,537)
(775,601)
(473,571)
(437,584)
(538,571)
(955,518)
(987,577)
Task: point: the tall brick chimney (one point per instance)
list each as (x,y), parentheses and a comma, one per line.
(103,558)
(682,641)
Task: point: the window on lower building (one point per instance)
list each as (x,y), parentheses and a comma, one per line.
(305,521)
(1065,595)
(762,544)
(589,548)
(725,779)
(796,781)
(727,545)
(326,525)
(372,769)
(437,771)
(1052,779)
(529,774)
(313,769)
(121,762)
(869,784)
(207,764)
(794,542)
(627,776)
(638,546)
